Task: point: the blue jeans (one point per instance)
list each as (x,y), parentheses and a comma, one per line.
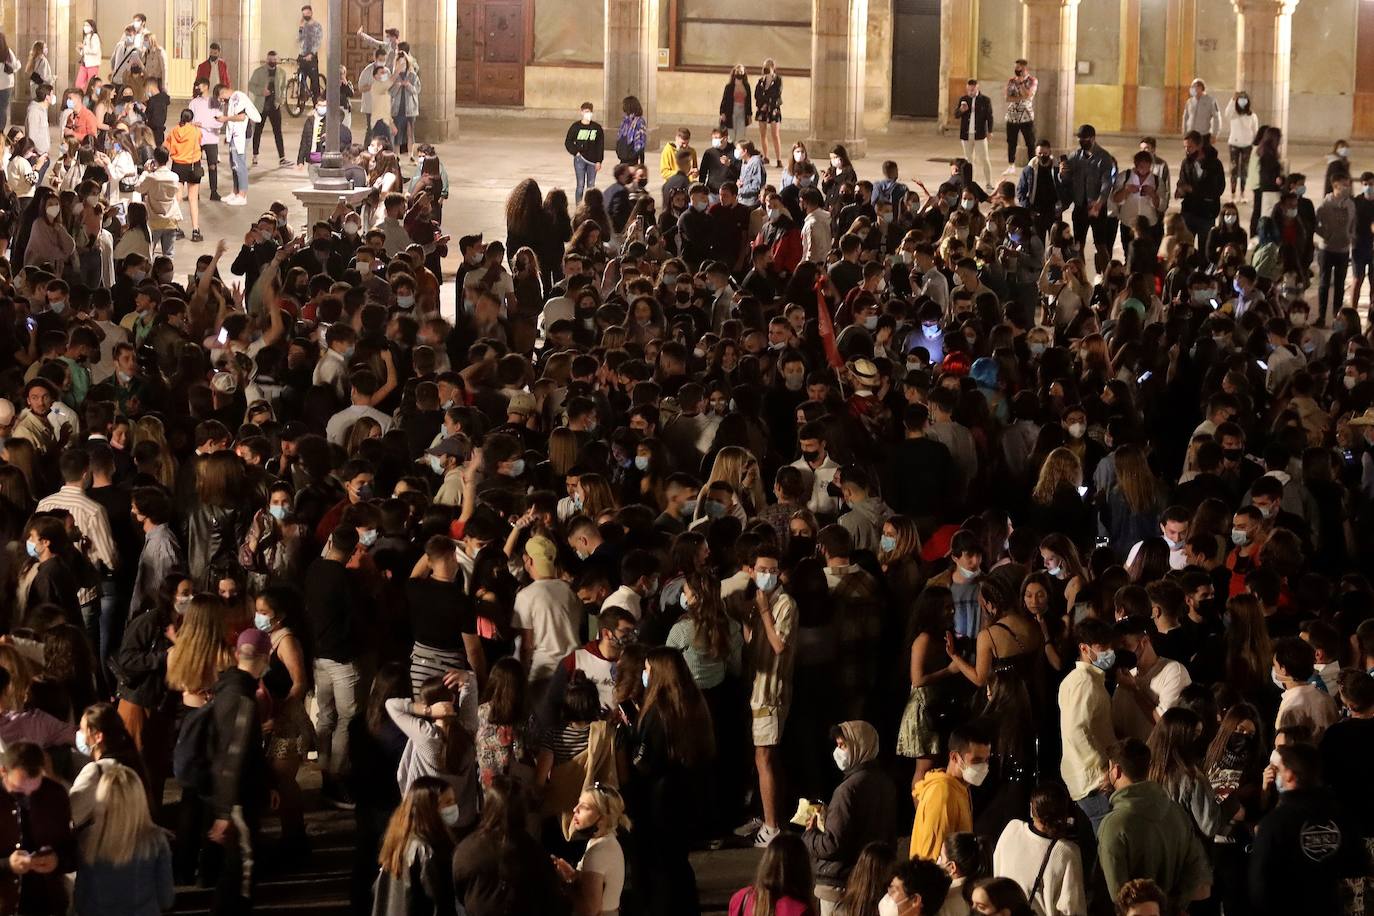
(164,240)
(239,163)
(585,171)
(1095,805)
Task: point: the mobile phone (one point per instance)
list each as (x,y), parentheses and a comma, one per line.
(1082,491)
(1349,456)
(1056,274)
(31,324)
(1262,364)
(1144,377)
(223,336)
(1215,305)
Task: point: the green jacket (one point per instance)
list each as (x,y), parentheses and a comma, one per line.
(1148,835)
(263,77)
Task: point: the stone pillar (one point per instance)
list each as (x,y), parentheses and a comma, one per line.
(1180,66)
(958,45)
(234,24)
(839,49)
(1049,40)
(1264,43)
(630,65)
(432,30)
(49,21)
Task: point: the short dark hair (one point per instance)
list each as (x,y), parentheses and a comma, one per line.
(1133,756)
(1093,632)
(154,503)
(1304,762)
(1295,657)
(924,879)
(965,737)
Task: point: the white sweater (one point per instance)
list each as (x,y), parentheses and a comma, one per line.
(1018,856)
(1243,125)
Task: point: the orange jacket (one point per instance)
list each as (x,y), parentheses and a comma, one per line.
(183,143)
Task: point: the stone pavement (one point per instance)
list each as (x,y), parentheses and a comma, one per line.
(494,152)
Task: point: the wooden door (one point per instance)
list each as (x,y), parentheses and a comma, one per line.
(916,58)
(491,52)
(365,15)
(185,45)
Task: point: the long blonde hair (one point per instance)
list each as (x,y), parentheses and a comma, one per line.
(1061,467)
(416,818)
(150,429)
(562,450)
(729,466)
(201,651)
(121,828)
(597,495)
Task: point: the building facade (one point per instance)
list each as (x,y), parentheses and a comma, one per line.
(848,65)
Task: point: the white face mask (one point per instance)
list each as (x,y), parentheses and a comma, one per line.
(841,757)
(586,117)
(975,773)
(798,155)
(888,907)
(54,211)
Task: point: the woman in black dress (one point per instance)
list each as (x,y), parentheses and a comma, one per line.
(768,111)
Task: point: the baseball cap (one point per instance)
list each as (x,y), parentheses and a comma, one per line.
(542,555)
(255,639)
(451,445)
(224,383)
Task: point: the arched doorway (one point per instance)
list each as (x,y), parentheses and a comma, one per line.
(365,15)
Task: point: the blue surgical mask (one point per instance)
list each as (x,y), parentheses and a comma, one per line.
(1239,538)
(682,600)
(405,302)
(644,677)
(766,580)
(32,548)
(277,512)
(517,467)
(1105,659)
(262,622)
(713,509)
(82,744)
(1037,349)
(642,462)
(368,537)
(449,813)
(887,544)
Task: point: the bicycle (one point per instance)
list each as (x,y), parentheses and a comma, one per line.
(297,90)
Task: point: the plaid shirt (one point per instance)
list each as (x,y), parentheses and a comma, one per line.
(1021,99)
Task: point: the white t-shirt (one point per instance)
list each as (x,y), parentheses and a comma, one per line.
(604,857)
(551,610)
(1164,682)
(627,598)
(336,430)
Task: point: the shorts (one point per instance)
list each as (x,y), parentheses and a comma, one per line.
(188,172)
(1361,257)
(768,723)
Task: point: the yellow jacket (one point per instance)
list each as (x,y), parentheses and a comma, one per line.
(667,163)
(943,806)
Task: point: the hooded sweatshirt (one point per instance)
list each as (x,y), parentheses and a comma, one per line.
(861,809)
(1147,835)
(943,806)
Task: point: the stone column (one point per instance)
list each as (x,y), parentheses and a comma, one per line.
(432,30)
(958,45)
(49,21)
(630,65)
(1264,43)
(839,50)
(234,24)
(1049,40)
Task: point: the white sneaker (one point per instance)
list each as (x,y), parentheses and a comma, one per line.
(1010,170)
(236,200)
(765,835)
(750,828)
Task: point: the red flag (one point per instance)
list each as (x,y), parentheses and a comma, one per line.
(826,327)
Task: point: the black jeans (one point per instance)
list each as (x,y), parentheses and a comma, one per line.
(1025,129)
(211,151)
(1104,234)
(270,113)
(310,75)
(1333,265)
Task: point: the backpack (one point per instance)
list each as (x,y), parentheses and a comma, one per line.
(192,758)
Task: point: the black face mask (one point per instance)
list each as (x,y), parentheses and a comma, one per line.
(683,296)
(801,547)
(1233,454)
(1085,143)
(811,456)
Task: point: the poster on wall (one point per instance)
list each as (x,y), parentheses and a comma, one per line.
(183,29)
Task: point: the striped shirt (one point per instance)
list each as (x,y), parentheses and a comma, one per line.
(90,518)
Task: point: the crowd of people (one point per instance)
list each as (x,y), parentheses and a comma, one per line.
(756,489)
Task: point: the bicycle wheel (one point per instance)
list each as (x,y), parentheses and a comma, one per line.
(294,94)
